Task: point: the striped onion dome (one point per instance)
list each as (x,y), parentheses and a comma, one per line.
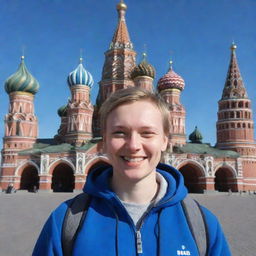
(144,69)
(62,111)
(21,81)
(171,80)
(80,76)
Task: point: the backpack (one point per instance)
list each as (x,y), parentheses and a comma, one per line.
(77,210)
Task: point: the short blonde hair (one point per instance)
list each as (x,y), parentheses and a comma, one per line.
(129,95)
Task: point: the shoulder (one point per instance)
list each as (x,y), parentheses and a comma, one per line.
(56,218)
(217,242)
(211,220)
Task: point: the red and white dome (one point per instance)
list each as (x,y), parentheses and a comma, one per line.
(171,80)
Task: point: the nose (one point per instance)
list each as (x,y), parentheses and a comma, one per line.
(133,143)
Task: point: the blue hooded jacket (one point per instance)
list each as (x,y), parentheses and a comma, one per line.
(108,230)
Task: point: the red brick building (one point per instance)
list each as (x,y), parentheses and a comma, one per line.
(63,162)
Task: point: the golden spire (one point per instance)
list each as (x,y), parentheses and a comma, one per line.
(233,46)
(121,6)
(121,38)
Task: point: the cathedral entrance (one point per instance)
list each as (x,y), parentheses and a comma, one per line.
(63,178)
(191,174)
(29,179)
(224,180)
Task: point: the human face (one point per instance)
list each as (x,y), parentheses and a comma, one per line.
(134,139)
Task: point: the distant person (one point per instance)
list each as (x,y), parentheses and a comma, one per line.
(138,206)
(34,189)
(10,189)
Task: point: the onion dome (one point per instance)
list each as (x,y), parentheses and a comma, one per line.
(171,80)
(196,136)
(144,69)
(80,76)
(62,111)
(21,81)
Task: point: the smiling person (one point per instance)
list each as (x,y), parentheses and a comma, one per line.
(137,206)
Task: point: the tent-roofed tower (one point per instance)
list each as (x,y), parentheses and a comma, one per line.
(119,59)
(235,128)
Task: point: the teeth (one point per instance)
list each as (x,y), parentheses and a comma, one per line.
(135,159)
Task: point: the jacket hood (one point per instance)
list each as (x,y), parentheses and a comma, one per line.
(98,184)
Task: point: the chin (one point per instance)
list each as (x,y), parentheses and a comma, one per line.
(135,174)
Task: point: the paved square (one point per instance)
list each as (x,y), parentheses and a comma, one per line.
(23,214)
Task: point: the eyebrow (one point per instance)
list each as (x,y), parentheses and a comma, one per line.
(126,127)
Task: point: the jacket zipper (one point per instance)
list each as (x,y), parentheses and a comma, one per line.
(138,233)
(139,247)
(139,242)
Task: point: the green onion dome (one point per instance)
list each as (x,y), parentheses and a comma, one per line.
(196,136)
(144,69)
(171,80)
(62,111)
(21,81)
(80,76)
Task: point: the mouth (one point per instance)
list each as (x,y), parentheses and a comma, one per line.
(133,159)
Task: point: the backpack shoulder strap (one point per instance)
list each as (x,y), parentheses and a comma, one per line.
(196,222)
(73,221)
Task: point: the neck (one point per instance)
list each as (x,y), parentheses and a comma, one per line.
(139,192)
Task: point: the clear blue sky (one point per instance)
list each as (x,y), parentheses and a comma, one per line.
(197,35)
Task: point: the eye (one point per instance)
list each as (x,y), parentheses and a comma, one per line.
(119,133)
(147,134)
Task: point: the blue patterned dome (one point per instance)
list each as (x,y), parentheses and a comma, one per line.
(80,76)
(21,81)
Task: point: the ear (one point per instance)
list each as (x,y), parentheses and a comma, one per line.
(165,143)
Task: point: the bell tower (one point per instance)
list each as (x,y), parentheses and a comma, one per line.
(235,127)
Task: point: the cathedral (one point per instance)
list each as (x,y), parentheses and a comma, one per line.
(61,163)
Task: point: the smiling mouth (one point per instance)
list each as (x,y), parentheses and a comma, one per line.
(133,159)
